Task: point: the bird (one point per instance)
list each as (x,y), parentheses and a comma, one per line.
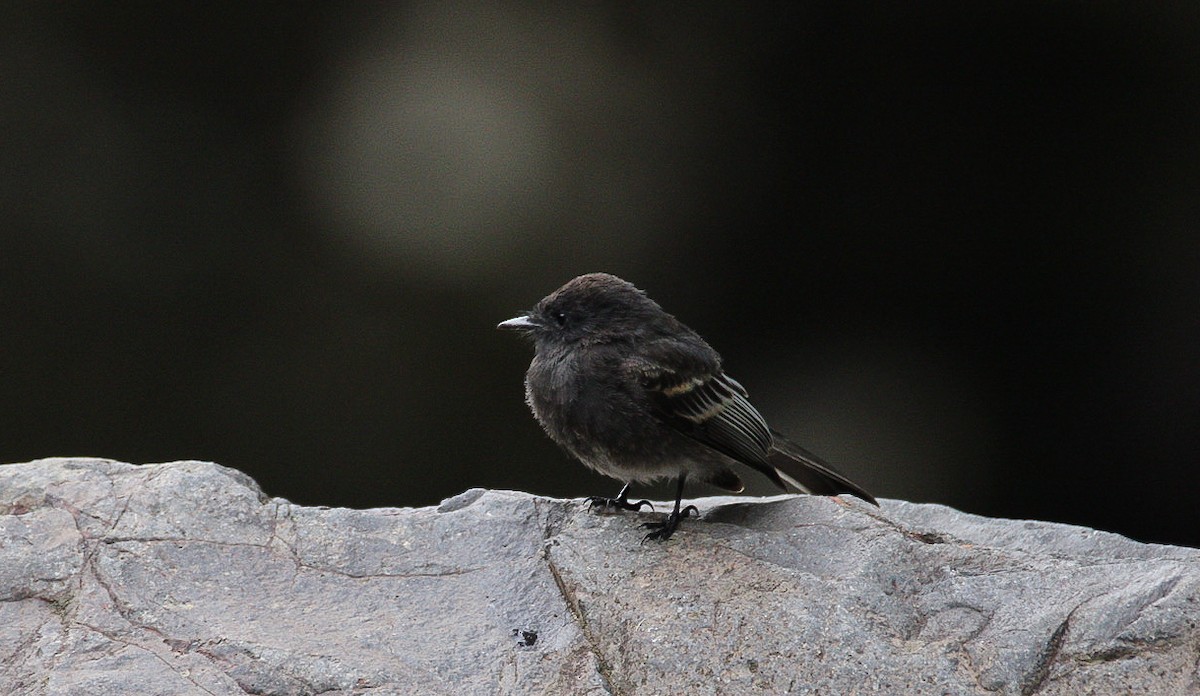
(634,394)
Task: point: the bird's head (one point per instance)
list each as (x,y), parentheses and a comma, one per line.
(593,307)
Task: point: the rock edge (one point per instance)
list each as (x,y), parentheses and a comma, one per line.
(184,578)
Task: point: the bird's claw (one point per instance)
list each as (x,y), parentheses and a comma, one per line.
(607,504)
(663,530)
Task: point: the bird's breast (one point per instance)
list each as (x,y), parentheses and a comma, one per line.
(584,405)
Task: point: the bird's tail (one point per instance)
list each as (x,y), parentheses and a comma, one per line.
(808,472)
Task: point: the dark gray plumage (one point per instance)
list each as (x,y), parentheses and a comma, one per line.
(636,395)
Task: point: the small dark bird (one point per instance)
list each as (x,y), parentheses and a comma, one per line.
(636,395)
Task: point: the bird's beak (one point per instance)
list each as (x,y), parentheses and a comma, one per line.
(521,323)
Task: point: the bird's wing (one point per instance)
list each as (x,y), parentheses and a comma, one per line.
(688,391)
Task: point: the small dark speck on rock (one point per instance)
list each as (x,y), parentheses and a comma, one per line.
(527,636)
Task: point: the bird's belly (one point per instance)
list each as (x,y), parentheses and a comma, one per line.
(637,448)
(610,430)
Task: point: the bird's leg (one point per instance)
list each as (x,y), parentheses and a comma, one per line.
(621,502)
(663,530)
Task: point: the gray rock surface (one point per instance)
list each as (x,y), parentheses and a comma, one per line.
(184,578)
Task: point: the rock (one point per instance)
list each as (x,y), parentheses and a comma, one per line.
(184,578)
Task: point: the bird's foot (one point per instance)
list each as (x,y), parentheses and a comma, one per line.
(613,504)
(663,530)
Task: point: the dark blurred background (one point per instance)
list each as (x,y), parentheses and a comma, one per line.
(952,247)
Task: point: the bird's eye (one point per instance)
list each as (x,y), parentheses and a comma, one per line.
(560,317)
